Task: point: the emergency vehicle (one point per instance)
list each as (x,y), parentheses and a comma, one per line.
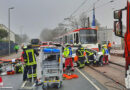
(87,37)
(118,29)
(35,43)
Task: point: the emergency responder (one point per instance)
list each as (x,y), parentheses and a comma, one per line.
(90,56)
(24,47)
(16,48)
(81,57)
(68,57)
(105,54)
(109,46)
(31,64)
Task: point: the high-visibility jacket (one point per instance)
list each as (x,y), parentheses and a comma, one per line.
(80,52)
(109,45)
(105,51)
(89,53)
(66,52)
(30,57)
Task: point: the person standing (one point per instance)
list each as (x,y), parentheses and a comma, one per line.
(16,48)
(24,63)
(105,54)
(81,57)
(68,57)
(109,46)
(31,64)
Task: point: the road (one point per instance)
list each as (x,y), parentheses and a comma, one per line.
(84,82)
(81,83)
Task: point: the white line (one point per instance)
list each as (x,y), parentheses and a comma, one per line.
(88,79)
(23,84)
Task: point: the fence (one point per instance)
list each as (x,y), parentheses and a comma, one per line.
(4,48)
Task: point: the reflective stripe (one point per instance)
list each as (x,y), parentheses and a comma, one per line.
(30,57)
(32,75)
(81,53)
(81,65)
(89,53)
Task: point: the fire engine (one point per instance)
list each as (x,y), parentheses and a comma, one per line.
(118,29)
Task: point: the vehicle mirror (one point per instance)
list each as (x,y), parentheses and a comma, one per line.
(118,14)
(118,28)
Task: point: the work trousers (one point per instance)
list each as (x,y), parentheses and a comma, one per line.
(68,62)
(105,59)
(30,72)
(91,57)
(25,73)
(81,62)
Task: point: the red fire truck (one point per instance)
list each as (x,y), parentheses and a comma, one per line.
(118,29)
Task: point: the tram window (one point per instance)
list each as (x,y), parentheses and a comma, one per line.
(77,38)
(71,39)
(74,38)
(65,39)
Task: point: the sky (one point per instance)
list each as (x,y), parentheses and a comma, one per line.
(32,16)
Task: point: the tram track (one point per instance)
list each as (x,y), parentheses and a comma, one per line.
(117,64)
(108,77)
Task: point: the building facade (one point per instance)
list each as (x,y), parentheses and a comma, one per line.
(105,35)
(12,34)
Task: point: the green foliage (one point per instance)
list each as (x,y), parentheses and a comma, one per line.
(3,33)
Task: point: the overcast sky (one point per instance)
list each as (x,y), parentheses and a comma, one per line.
(31,16)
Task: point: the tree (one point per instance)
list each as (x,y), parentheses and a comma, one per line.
(83,20)
(25,38)
(21,39)
(3,33)
(46,35)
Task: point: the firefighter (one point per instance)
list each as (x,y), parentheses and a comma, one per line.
(90,56)
(81,57)
(24,63)
(31,64)
(105,54)
(68,57)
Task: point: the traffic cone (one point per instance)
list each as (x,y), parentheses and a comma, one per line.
(1,82)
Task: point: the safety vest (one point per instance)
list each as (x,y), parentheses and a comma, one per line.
(66,52)
(109,45)
(105,51)
(89,53)
(81,52)
(30,57)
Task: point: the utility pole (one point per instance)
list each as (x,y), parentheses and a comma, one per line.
(9,25)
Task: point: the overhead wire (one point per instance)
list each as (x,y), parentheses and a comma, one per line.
(104,4)
(79,7)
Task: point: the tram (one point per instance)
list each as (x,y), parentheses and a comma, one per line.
(87,37)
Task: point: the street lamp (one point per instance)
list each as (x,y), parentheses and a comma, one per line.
(9,25)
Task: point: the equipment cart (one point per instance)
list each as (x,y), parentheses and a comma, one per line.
(52,67)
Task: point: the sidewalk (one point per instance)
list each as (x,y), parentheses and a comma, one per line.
(12,56)
(118,60)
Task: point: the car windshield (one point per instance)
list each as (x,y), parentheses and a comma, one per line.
(88,36)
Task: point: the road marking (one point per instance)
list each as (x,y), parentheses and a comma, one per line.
(23,84)
(88,79)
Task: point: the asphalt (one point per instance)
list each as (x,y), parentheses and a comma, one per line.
(81,83)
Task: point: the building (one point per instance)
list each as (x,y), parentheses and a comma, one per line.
(12,34)
(106,34)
